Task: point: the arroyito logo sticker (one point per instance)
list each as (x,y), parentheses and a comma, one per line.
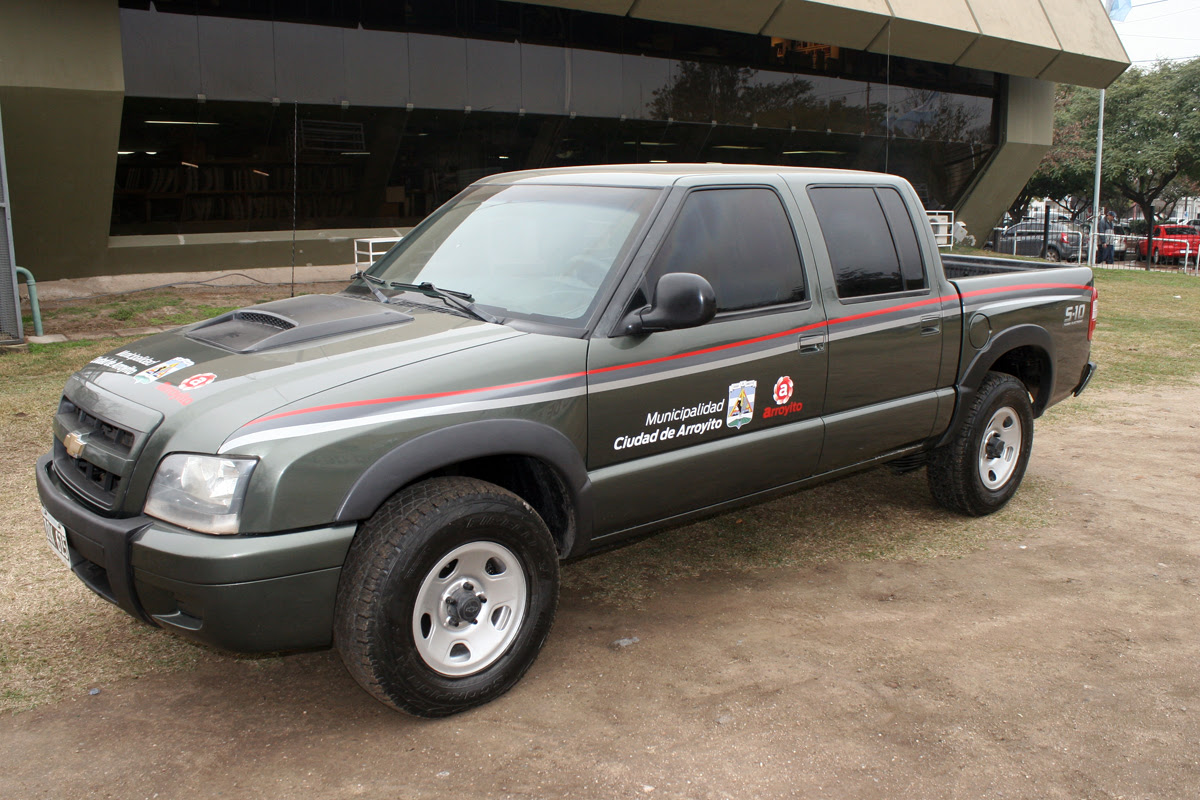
(151,374)
(196,381)
(783,390)
(741,403)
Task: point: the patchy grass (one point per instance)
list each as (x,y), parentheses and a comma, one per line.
(57,639)
(180,305)
(1149,328)
(869,516)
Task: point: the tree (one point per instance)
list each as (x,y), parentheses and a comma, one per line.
(1066,173)
(1151,139)
(1155,133)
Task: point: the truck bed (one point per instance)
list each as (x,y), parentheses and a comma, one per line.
(972,266)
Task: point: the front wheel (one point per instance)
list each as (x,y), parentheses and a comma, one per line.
(979,469)
(446,597)
(1053,255)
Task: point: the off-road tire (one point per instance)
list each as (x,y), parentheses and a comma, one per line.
(395,553)
(957,470)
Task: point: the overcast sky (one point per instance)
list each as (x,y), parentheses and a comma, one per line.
(1158,29)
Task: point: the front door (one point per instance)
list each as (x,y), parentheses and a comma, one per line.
(684,419)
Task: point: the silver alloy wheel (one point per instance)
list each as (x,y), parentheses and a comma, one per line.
(455,646)
(1000,450)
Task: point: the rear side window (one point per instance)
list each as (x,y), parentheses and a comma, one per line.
(904,236)
(741,241)
(870,238)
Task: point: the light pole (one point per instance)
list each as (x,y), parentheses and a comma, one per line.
(1117,11)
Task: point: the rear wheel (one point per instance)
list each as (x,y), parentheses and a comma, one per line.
(446,597)
(979,469)
(1053,255)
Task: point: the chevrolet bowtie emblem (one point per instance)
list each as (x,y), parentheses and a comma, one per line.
(74,444)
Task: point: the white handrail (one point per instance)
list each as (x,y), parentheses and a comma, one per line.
(368,251)
(942,224)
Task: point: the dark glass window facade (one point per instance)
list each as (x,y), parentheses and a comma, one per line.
(373,113)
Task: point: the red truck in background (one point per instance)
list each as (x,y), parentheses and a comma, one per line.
(1172,244)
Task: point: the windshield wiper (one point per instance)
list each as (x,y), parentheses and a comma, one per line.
(460,300)
(371,279)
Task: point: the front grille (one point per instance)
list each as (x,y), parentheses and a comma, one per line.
(97,472)
(120,438)
(101,478)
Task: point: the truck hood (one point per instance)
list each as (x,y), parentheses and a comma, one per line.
(253,360)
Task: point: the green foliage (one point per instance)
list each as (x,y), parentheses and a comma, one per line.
(1151,141)
(1068,168)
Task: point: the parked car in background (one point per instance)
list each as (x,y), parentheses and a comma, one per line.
(1172,243)
(1120,242)
(1065,242)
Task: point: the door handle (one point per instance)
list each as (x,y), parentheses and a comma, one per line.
(931,325)
(812,344)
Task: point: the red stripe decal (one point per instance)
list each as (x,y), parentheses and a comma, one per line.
(664,359)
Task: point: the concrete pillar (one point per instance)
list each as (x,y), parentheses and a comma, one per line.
(1026,133)
(61,88)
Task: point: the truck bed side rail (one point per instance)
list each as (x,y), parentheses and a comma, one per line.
(971,266)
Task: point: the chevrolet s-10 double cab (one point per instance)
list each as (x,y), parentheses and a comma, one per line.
(552,362)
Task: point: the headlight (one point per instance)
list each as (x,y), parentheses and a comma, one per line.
(203,493)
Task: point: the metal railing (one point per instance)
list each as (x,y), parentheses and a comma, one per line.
(368,251)
(942,223)
(1188,251)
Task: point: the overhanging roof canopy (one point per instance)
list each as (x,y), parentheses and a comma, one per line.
(1066,41)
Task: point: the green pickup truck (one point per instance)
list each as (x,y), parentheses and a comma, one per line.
(552,362)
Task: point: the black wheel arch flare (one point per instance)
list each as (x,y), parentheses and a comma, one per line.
(1029,344)
(435,452)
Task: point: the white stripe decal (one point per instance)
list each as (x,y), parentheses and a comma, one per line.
(395,416)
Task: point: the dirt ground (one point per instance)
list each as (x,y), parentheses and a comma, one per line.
(1057,663)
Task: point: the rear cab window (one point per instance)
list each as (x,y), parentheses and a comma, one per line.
(872,244)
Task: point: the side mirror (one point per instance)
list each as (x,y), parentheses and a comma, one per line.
(681,300)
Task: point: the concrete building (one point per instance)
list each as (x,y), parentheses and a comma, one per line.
(200,133)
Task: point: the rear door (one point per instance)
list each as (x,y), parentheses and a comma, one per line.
(885,322)
(684,419)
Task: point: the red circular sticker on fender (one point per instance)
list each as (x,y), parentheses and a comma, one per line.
(783,390)
(196,381)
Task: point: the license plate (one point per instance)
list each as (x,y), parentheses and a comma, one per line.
(56,535)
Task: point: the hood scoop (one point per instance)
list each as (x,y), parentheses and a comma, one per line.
(294,321)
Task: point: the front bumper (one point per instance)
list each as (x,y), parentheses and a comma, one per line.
(242,593)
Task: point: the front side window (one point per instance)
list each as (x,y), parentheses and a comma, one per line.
(741,241)
(539,252)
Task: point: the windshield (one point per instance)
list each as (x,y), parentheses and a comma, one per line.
(1179,231)
(533,251)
